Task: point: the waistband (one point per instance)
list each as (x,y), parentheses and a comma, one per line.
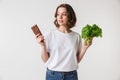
(62,72)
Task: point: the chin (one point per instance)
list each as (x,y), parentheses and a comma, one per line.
(61,24)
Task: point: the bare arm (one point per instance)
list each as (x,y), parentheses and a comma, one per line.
(83,51)
(44,54)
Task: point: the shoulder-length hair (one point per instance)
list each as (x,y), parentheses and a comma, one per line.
(71,15)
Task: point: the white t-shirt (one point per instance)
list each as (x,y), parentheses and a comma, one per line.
(63,48)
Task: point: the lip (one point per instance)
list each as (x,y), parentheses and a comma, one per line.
(60,21)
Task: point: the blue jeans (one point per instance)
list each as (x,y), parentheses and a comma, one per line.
(55,75)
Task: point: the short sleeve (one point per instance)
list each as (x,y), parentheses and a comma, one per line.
(47,42)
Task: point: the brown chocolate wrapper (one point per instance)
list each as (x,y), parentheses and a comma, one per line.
(36,30)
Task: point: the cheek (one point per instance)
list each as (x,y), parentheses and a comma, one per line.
(66,19)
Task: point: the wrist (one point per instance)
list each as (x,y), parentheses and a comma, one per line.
(85,47)
(43,46)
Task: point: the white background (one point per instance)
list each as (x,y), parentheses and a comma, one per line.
(20,53)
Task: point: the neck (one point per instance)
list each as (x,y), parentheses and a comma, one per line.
(64,29)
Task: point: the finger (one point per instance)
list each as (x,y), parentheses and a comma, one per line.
(92,38)
(41,36)
(37,35)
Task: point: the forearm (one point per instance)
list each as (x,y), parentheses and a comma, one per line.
(44,54)
(81,54)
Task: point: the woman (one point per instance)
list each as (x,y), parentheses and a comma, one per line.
(61,48)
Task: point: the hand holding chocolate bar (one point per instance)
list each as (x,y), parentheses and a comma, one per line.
(38,34)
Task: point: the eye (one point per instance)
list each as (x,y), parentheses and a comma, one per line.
(65,14)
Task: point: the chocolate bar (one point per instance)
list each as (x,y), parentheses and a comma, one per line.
(36,30)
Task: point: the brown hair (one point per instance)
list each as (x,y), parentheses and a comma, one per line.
(71,15)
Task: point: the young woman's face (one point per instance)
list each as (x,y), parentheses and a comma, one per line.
(62,16)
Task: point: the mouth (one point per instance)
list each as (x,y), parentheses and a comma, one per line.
(60,21)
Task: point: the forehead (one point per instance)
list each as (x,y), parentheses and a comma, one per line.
(62,10)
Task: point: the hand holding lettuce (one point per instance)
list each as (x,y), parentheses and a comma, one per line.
(89,32)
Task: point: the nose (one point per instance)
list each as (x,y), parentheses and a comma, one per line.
(60,16)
